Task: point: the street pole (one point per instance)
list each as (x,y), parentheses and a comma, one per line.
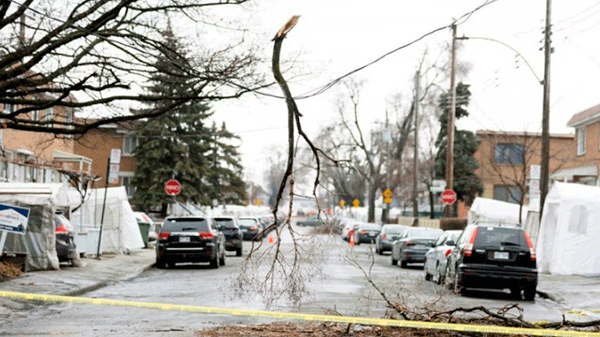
(546,113)
(451,114)
(103,208)
(415,200)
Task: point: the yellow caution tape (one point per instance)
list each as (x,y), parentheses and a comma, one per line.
(300,316)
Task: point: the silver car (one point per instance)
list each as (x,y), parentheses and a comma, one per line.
(436,257)
(385,240)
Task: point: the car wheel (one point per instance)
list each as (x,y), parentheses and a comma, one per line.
(441,275)
(222,259)
(161,264)
(214,262)
(515,292)
(427,275)
(458,288)
(403,264)
(377,250)
(238,252)
(529,293)
(394,261)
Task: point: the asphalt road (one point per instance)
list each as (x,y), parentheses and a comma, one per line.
(330,271)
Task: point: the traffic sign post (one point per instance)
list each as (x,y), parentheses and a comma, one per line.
(449,197)
(172,187)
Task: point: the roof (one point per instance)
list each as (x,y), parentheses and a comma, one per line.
(584,116)
(520,134)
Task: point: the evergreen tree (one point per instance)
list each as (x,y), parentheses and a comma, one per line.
(466,184)
(177,144)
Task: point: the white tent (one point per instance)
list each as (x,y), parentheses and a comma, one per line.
(567,243)
(490,210)
(120,232)
(39,242)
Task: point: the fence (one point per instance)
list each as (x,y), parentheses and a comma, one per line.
(423,222)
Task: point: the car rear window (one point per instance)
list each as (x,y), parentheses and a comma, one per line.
(186,225)
(247,223)
(225,222)
(393,230)
(370,227)
(497,236)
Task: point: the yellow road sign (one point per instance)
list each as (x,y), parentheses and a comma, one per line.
(342,203)
(355,203)
(387,200)
(258,202)
(387,193)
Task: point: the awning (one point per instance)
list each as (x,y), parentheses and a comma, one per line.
(570,173)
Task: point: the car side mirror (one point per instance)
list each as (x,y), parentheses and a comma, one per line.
(450,243)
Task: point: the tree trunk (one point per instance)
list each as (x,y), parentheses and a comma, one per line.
(431,208)
(371,200)
(385,214)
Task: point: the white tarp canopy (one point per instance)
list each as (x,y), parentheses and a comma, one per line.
(568,241)
(120,232)
(490,210)
(39,242)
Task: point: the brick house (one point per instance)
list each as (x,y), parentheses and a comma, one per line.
(583,168)
(97,144)
(39,157)
(505,159)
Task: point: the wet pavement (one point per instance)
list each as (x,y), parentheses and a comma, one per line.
(335,284)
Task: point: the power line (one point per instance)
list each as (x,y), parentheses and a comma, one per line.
(311,93)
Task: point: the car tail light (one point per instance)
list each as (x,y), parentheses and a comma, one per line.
(530,244)
(207,235)
(163,236)
(448,251)
(409,243)
(253,228)
(384,236)
(62,229)
(363,232)
(469,247)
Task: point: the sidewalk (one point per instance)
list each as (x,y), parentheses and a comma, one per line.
(576,292)
(92,275)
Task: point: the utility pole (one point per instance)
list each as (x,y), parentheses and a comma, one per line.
(546,112)
(451,114)
(415,195)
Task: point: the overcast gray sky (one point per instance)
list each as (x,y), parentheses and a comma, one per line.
(336,36)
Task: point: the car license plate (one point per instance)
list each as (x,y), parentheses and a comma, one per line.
(501,255)
(184,239)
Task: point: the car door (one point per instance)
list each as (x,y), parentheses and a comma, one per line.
(431,256)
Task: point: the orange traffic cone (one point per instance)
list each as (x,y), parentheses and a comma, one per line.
(352,240)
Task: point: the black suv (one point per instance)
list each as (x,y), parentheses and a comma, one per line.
(233,234)
(490,256)
(189,239)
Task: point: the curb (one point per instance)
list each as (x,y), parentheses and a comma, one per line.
(102,284)
(549,296)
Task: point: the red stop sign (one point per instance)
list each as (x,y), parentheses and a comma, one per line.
(172,187)
(448,197)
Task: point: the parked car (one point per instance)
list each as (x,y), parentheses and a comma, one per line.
(413,245)
(252,228)
(436,257)
(387,236)
(366,232)
(189,239)
(144,218)
(228,225)
(312,221)
(493,257)
(65,240)
(349,227)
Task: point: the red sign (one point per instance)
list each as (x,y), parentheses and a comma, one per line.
(172,187)
(448,197)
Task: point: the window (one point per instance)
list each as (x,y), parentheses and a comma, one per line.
(3,171)
(581,141)
(129,144)
(8,108)
(49,114)
(509,154)
(510,194)
(35,115)
(126,181)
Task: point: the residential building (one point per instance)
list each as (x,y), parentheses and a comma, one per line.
(584,167)
(40,157)
(505,160)
(97,145)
